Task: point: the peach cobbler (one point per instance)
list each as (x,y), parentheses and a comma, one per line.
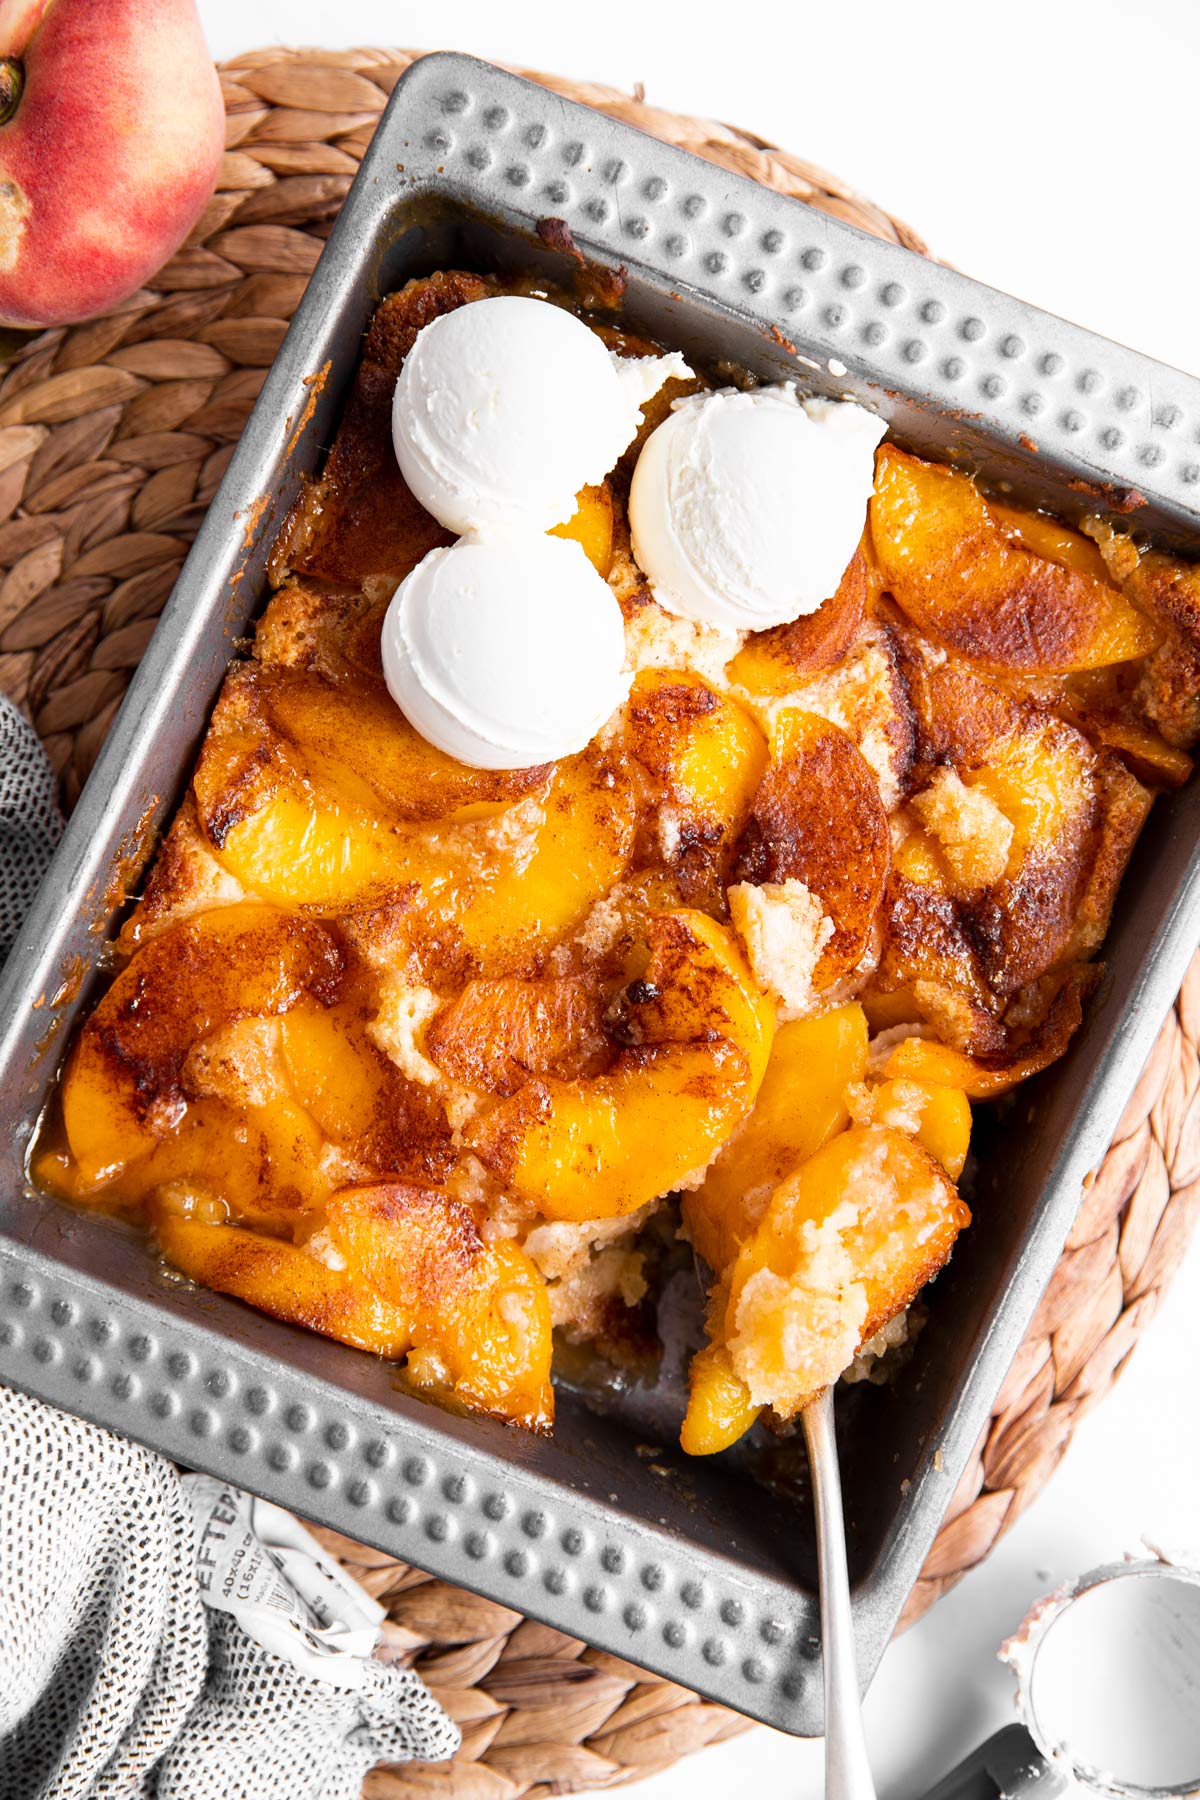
(422,1048)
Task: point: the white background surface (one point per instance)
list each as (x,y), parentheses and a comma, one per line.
(1050,148)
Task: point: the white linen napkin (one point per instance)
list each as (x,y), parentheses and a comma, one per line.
(117,1680)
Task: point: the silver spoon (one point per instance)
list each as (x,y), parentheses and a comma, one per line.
(847,1767)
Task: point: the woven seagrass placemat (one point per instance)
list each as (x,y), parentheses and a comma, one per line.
(113,436)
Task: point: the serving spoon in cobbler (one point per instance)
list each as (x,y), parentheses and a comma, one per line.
(847,1767)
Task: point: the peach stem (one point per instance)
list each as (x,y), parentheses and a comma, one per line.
(12,85)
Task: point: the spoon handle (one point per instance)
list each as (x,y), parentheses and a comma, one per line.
(847,1768)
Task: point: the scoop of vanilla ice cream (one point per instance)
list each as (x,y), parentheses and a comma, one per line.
(506,407)
(505,653)
(746,507)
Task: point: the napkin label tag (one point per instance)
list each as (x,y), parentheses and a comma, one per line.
(258,1563)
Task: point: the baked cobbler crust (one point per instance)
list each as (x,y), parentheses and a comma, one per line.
(410,1052)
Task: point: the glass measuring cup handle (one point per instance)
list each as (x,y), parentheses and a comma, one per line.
(1009,1766)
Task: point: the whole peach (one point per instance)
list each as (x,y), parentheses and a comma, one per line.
(111,132)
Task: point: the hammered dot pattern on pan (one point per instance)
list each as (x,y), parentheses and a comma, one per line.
(317,1457)
(720,236)
(900,325)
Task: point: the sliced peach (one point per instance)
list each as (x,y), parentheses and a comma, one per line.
(923,1060)
(328,842)
(418,1246)
(283,1280)
(844,1245)
(818,818)
(938,1117)
(281,838)
(920,859)
(800,1106)
(123,1085)
(697,744)
(988,939)
(1048,1014)
(1074,814)
(1147,753)
(261,1166)
(704,756)
(772,663)
(501,900)
(1040,780)
(960,710)
(699,1033)
(478,1312)
(359,1098)
(1050,539)
(956,569)
(1167,695)
(505,900)
(353,728)
(496,1034)
(295,853)
(312,792)
(472,1318)
(886,1010)
(243,1149)
(591,525)
(499,1349)
(719,1409)
(54,1170)
(701,747)
(929,967)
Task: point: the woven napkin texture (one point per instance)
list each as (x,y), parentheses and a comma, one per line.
(30,822)
(114,1681)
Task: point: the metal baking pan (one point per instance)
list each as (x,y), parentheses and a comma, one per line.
(685,1568)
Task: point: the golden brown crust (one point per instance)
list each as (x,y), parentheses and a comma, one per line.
(496,1035)
(1122,806)
(236,770)
(1077,812)
(817,818)
(428,1251)
(201,974)
(331,631)
(1168,689)
(185,879)
(374,994)
(361,518)
(819,640)
(952,567)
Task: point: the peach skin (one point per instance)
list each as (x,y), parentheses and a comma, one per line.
(111,135)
